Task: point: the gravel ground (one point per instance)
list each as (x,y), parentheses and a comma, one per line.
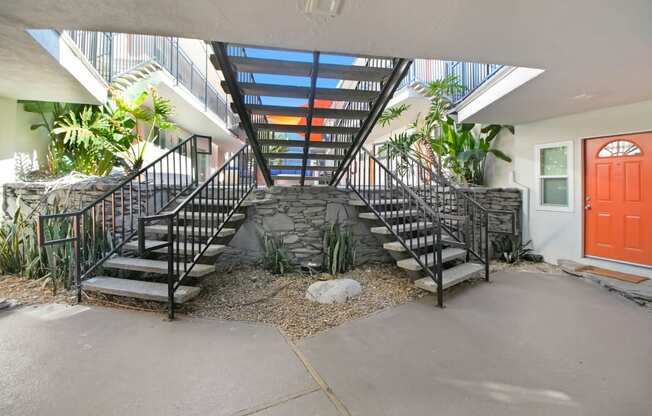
(250,294)
(27,291)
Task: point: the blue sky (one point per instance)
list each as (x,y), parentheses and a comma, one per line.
(297,81)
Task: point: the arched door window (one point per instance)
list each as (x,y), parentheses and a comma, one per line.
(619,148)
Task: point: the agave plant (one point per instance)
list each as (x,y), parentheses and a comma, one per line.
(275,257)
(339,250)
(511,249)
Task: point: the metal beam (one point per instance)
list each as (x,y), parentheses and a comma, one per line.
(311,110)
(298,128)
(230,78)
(389,88)
(279,110)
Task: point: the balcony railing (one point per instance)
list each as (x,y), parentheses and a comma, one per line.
(115,54)
(469,75)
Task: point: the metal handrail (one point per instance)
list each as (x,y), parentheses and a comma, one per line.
(442,180)
(473,229)
(470,75)
(234,188)
(102,227)
(367,169)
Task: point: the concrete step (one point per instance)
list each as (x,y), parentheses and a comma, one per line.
(218,217)
(162,229)
(420,242)
(212,250)
(451,277)
(388,214)
(447,255)
(360,202)
(153,266)
(138,289)
(401,228)
(228,202)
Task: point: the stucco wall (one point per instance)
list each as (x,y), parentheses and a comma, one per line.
(16,137)
(560,234)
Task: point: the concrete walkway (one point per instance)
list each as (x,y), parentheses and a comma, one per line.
(526,344)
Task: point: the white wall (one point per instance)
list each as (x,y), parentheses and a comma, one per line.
(559,234)
(16,136)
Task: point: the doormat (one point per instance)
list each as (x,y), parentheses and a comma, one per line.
(612,274)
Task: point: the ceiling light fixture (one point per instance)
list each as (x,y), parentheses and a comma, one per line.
(323,7)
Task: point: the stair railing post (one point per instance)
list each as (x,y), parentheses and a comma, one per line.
(177,52)
(111,60)
(195,161)
(439,265)
(77,248)
(486,246)
(171,268)
(141,236)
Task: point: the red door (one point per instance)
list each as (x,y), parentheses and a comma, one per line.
(618,198)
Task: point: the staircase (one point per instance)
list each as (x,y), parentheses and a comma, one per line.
(425,223)
(315,139)
(160,230)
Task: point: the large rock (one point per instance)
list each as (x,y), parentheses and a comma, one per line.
(333,291)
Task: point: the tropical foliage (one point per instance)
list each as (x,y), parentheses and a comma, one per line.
(21,255)
(94,139)
(440,143)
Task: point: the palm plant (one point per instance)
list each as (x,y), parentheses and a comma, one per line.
(440,143)
(93,136)
(58,160)
(478,148)
(157,118)
(418,140)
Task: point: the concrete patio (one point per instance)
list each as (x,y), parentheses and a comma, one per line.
(535,344)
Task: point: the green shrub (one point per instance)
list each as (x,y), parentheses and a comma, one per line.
(276,257)
(19,252)
(21,255)
(339,250)
(93,139)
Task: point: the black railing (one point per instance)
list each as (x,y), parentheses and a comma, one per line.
(198,220)
(115,54)
(461,216)
(407,215)
(101,228)
(469,75)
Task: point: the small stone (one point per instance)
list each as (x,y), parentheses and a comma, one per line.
(333,291)
(290,239)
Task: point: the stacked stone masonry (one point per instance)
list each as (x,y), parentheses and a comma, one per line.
(299,216)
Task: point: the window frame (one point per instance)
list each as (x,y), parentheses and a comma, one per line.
(570,176)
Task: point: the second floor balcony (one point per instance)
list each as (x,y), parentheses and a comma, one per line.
(115,55)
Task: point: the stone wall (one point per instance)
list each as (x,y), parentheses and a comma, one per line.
(65,194)
(299,216)
(504,199)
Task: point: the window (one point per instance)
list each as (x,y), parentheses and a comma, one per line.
(619,148)
(554,167)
